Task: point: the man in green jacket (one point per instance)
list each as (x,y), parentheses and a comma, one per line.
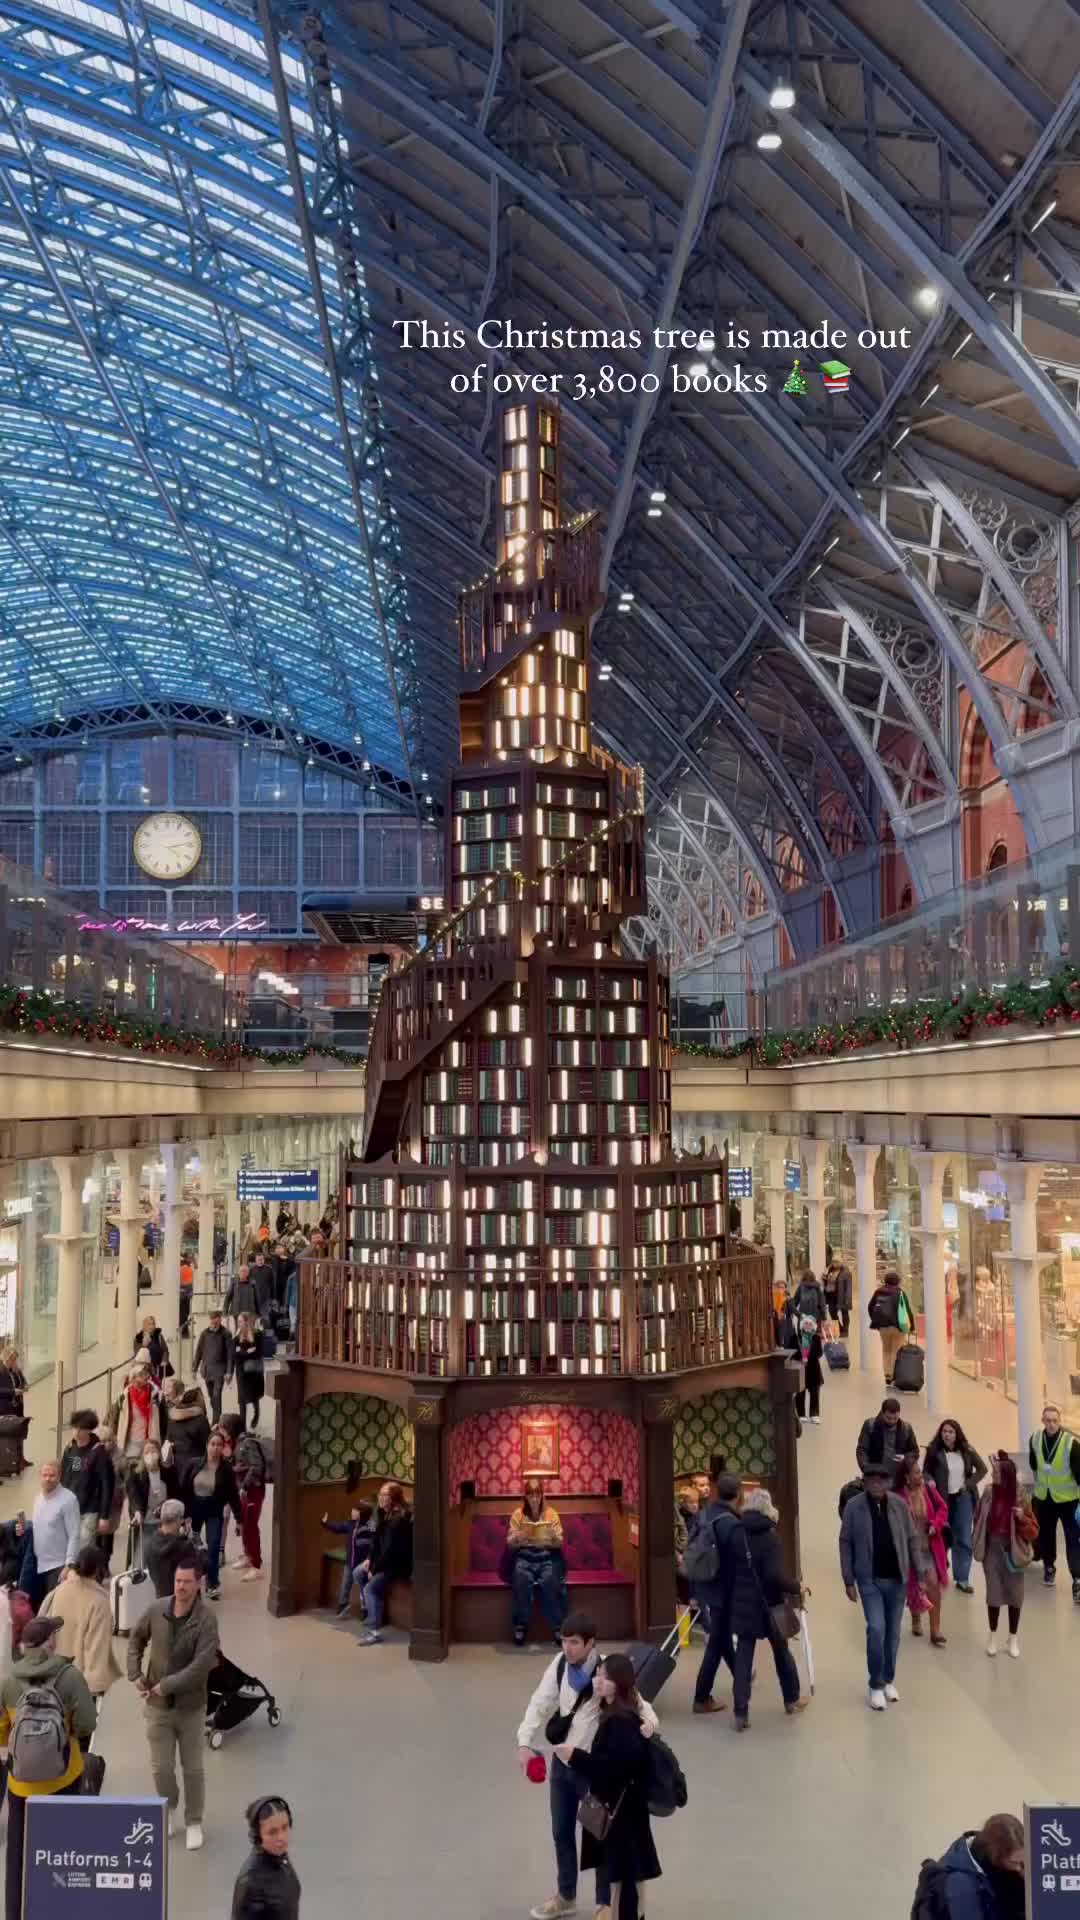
(178,1641)
(41,1666)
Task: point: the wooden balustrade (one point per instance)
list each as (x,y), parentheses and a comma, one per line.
(530,1323)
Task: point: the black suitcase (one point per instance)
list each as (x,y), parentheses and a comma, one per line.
(909,1370)
(654,1665)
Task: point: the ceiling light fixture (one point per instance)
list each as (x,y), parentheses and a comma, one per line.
(699,370)
(901,436)
(1045,214)
(658,496)
(654,513)
(962,345)
(927,297)
(782,97)
(927,397)
(768,139)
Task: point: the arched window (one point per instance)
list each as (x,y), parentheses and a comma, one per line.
(999,856)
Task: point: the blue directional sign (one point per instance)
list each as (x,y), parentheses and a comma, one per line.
(277,1183)
(793,1176)
(1052,1844)
(740,1181)
(93,1852)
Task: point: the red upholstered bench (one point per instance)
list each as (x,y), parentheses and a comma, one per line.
(598,1585)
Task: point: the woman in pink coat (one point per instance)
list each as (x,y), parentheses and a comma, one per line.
(930,1515)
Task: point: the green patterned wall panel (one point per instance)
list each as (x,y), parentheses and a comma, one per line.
(338,1427)
(737,1423)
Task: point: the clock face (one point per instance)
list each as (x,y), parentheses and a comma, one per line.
(167,846)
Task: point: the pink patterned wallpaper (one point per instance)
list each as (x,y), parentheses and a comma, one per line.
(594,1447)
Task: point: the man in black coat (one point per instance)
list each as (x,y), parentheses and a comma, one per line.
(214,1360)
(721,1516)
(262,1279)
(838,1294)
(886,1441)
(760,1584)
(241,1295)
(87,1471)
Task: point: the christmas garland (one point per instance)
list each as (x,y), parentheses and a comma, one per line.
(38,1013)
(917,1024)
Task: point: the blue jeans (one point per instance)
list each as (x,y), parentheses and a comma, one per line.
(536,1568)
(961,1520)
(214,1529)
(720,1647)
(883,1605)
(350,1577)
(373,1587)
(565,1795)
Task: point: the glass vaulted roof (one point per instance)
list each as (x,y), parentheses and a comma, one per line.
(176,520)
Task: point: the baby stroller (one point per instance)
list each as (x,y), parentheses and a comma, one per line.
(233,1696)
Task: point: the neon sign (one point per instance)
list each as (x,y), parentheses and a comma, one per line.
(230,929)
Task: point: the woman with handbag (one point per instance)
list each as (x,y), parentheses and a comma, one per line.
(930,1518)
(616,1834)
(1005,1528)
(15,1425)
(763,1606)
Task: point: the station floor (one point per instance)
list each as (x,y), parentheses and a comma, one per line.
(407,1798)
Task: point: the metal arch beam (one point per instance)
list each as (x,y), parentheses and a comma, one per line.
(478,151)
(751,853)
(659,905)
(722,886)
(711,144)
(771,617)
(673,868)
(1047,656)
(834,591)
(930,260)
(813,463)
(806,833)
(268,30)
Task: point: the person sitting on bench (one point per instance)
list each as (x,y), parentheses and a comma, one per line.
(534,1542)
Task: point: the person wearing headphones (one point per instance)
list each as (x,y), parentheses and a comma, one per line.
(266,1886)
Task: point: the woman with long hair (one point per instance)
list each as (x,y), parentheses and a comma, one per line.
(250,1375)
(13,1385)
(391,1557)
(152,1342)
(616,1771)
(138,1417)
(534,1542)
(956,1468)
(930,1517)
(981,1877)
(1004,1530)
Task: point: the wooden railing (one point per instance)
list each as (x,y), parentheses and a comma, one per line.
(600,883)
(561,569)
(525,1323)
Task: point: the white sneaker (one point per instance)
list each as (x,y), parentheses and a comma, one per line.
(237,1565)
(253,1573)
(815,1419)
(176,1824)
(1013,1647)
(991,1645)
(891,1693)
(876,1699)
(553,1909)
(194,1838)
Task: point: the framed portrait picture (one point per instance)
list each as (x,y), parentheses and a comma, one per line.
(540,1446)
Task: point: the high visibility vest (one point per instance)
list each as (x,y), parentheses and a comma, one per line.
(1054,1477)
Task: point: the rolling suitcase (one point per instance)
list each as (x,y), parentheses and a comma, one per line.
(837,1356)
(909,1369)
(13,1428)
(654,1665)
(130,1593)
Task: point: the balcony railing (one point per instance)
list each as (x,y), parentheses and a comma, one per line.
(50,947)
(456,1324)
(1020,924)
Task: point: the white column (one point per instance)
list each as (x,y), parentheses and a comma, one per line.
(931,1171)
(235,1149)
(69,1243)
(1022,1178)
(174,1155)
(208,1190)
(130,1224)
(816,1153)
(775,1156)
(864,1160)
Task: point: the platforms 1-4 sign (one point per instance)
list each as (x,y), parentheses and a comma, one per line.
(90,1859)
(1052,1844)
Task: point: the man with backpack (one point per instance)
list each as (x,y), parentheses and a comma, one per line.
(709,1565)
(565,1706)
(47,1716)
